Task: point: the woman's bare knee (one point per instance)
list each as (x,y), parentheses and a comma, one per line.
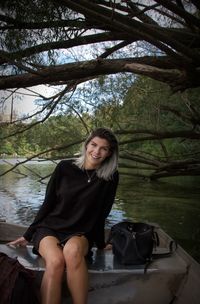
(55,264)
(74,252)
(73,255)
(54,259)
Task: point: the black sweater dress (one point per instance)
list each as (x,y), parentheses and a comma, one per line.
(72,204)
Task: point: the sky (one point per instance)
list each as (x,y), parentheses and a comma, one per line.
(25,104)
(23,100)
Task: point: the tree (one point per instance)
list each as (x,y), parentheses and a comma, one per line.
(68,43)
(159,131)
(159,39)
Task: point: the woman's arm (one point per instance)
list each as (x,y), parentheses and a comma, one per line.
(49,202)
(107,206)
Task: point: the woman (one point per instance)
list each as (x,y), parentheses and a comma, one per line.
(78,199)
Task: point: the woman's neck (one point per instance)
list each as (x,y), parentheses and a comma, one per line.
(90,166)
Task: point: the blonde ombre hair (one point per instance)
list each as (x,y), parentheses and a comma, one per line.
(110,164)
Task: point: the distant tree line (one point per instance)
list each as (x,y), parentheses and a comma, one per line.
(158,131)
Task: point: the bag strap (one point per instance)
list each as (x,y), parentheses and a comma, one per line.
(136,249)
(172,248)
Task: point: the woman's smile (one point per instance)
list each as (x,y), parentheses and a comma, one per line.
(97,150)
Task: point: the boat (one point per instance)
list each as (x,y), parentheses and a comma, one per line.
(173,279)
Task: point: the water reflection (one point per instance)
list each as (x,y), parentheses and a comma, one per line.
(173,204)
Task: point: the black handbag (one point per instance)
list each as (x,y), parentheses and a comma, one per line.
(132,243)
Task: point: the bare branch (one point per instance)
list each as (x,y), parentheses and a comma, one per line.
(190,19)
(80,71)
(164,28)
(154,135)
(54,102)
(56,148)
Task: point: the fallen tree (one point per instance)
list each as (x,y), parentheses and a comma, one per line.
(159,39)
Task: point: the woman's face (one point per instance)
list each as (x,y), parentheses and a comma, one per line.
(97,150)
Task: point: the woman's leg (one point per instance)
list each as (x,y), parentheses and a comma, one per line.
(74,252)
(55,265)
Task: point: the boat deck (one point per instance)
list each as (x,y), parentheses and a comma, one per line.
(101,261)
(166,280)
(111,282)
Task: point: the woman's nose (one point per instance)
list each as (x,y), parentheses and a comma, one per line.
(97,150)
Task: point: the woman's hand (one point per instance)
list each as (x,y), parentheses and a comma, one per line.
(108,247)
(20,242)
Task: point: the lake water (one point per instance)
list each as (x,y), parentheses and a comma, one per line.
(174,203)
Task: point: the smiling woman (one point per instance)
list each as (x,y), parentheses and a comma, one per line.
(100,152)
(71,220)
(97,150)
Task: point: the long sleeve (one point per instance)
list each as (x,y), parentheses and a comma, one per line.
(69,203)
(107,206)
(48,204)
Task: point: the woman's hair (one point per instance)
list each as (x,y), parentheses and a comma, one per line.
(109,165)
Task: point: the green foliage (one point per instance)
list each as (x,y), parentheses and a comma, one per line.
(139,110)
(56,131)
(150,105)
